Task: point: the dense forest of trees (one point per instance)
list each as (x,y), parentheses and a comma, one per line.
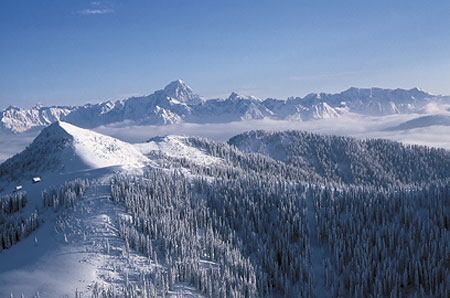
(385,243)
(14,226)
(254,234)
(218,235)
(382,221)
(67,195)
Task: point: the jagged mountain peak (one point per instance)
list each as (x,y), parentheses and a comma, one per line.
(236,96)
(313,96)
(177,84)
(11,108)
(381,92)
(181,91)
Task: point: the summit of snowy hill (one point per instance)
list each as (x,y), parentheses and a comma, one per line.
(99,151)
(64,147)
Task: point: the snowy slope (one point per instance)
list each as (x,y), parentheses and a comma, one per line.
(76,250)
(175,147)
(65,148)
(99,151)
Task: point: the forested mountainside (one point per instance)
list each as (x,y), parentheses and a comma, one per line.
(343,159)
(258,236)
(325,239)
(278,214)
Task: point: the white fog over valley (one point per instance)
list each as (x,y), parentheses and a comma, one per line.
(352,125)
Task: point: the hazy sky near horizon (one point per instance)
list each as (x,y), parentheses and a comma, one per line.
(59,52)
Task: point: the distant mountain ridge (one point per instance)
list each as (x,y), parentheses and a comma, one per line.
(178,103)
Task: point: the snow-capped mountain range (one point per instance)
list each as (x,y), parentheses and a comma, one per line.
(178,103)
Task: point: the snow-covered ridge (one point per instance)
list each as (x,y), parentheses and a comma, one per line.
(65,148)
(178,103)
(100,151)
(176,147)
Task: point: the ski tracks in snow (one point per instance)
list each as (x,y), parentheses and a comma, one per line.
(91,231)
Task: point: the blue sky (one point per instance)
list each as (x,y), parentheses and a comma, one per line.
(59,52)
